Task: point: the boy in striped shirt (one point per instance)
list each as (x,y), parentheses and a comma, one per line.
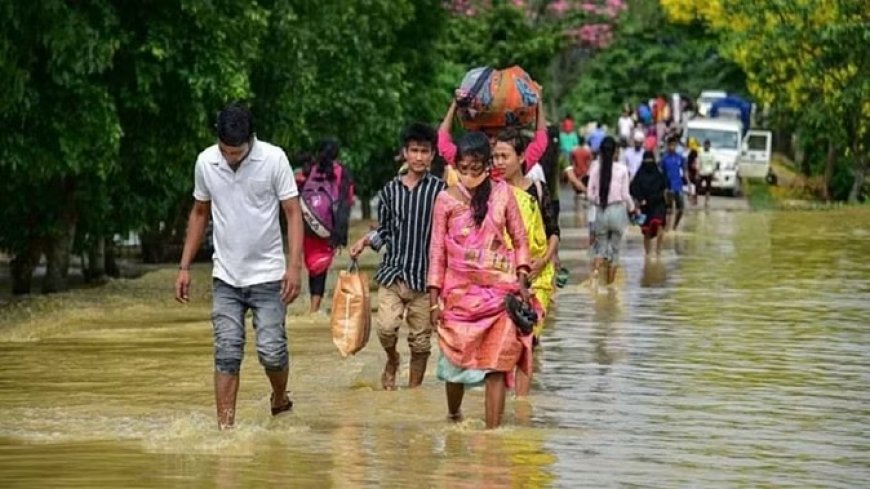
(405,207)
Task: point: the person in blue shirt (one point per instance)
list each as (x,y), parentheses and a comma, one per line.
(674,166)
(596,137)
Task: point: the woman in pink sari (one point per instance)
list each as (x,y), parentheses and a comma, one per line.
(471,271)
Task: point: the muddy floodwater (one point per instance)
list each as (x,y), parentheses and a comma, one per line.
(741,358)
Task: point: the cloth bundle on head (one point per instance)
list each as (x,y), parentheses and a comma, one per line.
(489,98)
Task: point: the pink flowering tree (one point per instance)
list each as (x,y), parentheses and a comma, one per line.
(551,39)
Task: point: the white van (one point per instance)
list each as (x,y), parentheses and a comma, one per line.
(755,157)
(725,144)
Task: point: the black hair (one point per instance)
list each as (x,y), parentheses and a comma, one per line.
(477,144)
(419,132)
(235,124)
(605,160)
(303,160)
(327,157)
(672,139)
(648,156)
(327,154)
(552,132)
(515,138)
(550,159)
(439,164)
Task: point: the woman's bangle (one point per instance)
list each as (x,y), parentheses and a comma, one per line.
(436,306)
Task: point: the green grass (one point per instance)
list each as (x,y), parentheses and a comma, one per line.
(758,194)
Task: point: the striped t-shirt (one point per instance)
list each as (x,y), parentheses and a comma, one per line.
(405,227)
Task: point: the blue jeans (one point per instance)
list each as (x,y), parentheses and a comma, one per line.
(228,318)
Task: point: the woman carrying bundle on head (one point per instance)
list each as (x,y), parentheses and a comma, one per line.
(531,156)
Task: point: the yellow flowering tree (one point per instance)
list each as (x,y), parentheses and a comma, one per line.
(809,57)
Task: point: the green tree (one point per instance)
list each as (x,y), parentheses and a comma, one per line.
(651,55)
(61,130)
(356,70)
(802,57)
(180,61)
(551,39)
(109,104)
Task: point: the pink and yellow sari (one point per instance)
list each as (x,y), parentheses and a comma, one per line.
(544,283)
(475,269)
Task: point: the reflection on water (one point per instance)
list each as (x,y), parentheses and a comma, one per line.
(655,273)
(738,358)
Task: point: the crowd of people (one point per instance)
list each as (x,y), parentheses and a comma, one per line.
(470,246)
(662,171)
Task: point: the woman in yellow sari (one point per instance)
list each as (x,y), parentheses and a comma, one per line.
(542,228)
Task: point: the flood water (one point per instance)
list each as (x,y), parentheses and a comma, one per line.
(740,359)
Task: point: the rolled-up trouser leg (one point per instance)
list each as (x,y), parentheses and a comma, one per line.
(228,321)
(391,309)
(269,312)
(419,323)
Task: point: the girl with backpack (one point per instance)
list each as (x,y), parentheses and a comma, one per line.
(326,197)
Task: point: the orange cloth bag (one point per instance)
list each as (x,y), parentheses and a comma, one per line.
(351,311)
(492,99)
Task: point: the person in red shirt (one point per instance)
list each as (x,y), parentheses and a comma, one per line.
(578,173)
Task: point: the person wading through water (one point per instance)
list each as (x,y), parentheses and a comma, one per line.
(328,187)
(242,183)
(648,188)
(608,192)
(472,271)
(405,207)
(542,229)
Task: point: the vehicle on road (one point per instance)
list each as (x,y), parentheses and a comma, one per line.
(726,138)
(706,100)
(755,156)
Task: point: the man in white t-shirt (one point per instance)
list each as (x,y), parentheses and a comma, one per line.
(632,156)
(242,183)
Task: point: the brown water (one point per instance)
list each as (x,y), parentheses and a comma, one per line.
(738,359)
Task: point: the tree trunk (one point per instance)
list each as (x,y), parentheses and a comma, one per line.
(96,261)
(152,246)
(21,270)
(830,162)
(111,265)
(860,173)
(57,254)
(366,206)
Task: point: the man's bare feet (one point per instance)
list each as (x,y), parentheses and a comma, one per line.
(388,378)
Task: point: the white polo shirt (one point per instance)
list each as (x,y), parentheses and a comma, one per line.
(248,249)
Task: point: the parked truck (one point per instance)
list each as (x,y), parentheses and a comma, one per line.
(741,152)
